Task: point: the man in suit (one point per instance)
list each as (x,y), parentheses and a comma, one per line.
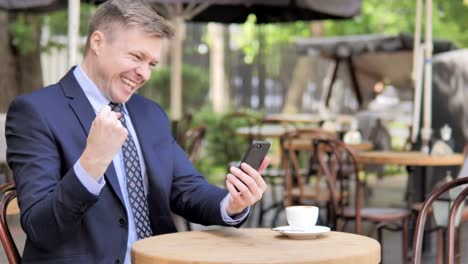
(96,166)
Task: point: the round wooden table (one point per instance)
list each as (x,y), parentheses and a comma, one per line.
(232,245)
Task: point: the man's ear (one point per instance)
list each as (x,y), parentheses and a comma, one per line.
(96,41)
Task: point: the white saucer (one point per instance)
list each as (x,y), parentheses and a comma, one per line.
(314,232)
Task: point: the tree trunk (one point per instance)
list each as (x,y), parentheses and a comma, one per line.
(227,67)
(217,79)
(176,68)
(21,72)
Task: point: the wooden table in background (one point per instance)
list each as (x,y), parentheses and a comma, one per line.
(294,118)
(309,118)
(265,131)
(233,246)
(411,158)
(305,144)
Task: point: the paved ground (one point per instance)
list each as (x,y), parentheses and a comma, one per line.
(387,191)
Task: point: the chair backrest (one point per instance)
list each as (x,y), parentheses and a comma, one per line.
(192,141)
(297,161)
(339,164)
(8,193)
(182,126)
(2,138)
(424,211)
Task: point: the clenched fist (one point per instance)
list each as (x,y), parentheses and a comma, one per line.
(106,137)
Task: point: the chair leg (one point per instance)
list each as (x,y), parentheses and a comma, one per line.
(260,213)
(274,221)
(188,226)
(379,238)
(440,246)
(458,245)
(405,242)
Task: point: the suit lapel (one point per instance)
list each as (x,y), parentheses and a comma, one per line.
(148,136)
(85,115)
(140,123)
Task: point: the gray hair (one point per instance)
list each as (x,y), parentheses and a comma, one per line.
(128,13)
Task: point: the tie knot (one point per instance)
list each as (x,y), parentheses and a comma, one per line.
(116,107)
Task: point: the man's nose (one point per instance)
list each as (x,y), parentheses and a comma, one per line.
(144,72)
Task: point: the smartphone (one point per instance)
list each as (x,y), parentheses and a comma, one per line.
(256,153)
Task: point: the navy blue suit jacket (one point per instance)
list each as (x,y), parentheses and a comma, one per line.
(46,133)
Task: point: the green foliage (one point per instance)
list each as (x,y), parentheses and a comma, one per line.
(220,135)
(248,38)
(209,164)
(391,17)
(377,17)
(195,83)
(396,16)
(23,34)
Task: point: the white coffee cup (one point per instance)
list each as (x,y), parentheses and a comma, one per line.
(302,217)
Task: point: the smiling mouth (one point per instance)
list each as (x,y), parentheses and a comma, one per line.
(129,82)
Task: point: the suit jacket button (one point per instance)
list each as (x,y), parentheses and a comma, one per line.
(122,221)
(117,261)
(83,207)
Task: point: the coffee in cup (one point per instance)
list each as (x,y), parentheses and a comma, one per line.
(302,217)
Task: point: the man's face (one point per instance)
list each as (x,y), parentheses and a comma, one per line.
(124,61)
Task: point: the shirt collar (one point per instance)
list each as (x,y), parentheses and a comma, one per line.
(92,92)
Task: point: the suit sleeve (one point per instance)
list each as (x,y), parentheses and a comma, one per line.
(191,195)
(52,199)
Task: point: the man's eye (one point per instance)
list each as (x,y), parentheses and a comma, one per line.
(135,57)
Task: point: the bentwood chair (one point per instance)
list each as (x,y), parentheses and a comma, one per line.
(8,193)
(426,209)
(4,169)
(298,163)
(183,125)
(333,157)
(192,140)
(416,208)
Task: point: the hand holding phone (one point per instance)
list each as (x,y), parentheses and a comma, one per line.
(251,192)
(256,154)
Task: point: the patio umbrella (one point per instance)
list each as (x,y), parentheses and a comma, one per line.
(223,11)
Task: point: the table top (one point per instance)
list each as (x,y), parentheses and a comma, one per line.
(409,158)
(260,245)
(305,144)
(293,118)
(308,118)
(264,131)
